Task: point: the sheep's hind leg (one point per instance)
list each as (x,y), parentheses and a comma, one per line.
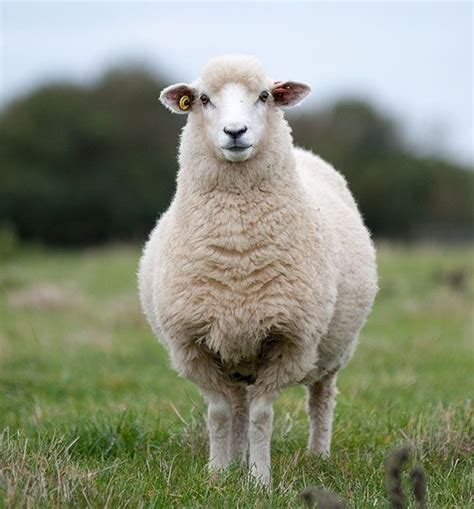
(321,402)
(240,424)
(219,419)
(260,433)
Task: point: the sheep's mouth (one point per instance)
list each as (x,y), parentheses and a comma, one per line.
(238,148)
(237,153)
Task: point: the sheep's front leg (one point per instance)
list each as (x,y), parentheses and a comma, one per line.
(321,402)
(260,433)
(219,419)
(240,423)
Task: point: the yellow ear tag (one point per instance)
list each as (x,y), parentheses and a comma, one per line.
(184,103)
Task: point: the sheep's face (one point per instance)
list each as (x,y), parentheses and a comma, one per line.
(234,119)
(233,104)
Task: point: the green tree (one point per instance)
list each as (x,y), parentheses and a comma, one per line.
(89,164)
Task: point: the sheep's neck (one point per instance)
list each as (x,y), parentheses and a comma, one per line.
(238,245)
(267,173)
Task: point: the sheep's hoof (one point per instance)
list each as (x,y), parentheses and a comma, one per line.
(262,479)
(319,452)
(214,475)
(216,470)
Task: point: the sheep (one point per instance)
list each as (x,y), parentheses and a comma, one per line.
(261,273)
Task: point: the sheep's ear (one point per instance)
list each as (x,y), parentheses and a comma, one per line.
(178,98)
(289,93)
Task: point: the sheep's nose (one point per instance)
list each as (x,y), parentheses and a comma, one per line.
(235,131)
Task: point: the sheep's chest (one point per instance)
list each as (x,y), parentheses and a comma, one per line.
(241,271)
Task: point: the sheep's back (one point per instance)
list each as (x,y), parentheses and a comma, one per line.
(354,252)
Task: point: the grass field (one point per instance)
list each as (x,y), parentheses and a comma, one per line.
(92,416)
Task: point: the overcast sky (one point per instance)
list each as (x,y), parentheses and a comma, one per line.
(413,59)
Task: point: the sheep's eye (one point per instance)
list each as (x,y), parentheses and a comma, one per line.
(264,96)
(204,99)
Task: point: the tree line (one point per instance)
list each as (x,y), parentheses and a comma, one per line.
(83,165)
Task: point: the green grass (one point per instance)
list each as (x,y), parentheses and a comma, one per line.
(93,416)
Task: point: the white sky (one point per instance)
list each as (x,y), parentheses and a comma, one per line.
(413,59)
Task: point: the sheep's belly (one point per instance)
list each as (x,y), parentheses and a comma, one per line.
(240,320)
(231,299)
(245,371)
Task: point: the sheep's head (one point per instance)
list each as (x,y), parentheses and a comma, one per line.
(233,103)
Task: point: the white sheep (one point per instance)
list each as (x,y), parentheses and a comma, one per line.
(261,272)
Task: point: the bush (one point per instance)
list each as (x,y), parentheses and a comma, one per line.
(9,242)
(85,165)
